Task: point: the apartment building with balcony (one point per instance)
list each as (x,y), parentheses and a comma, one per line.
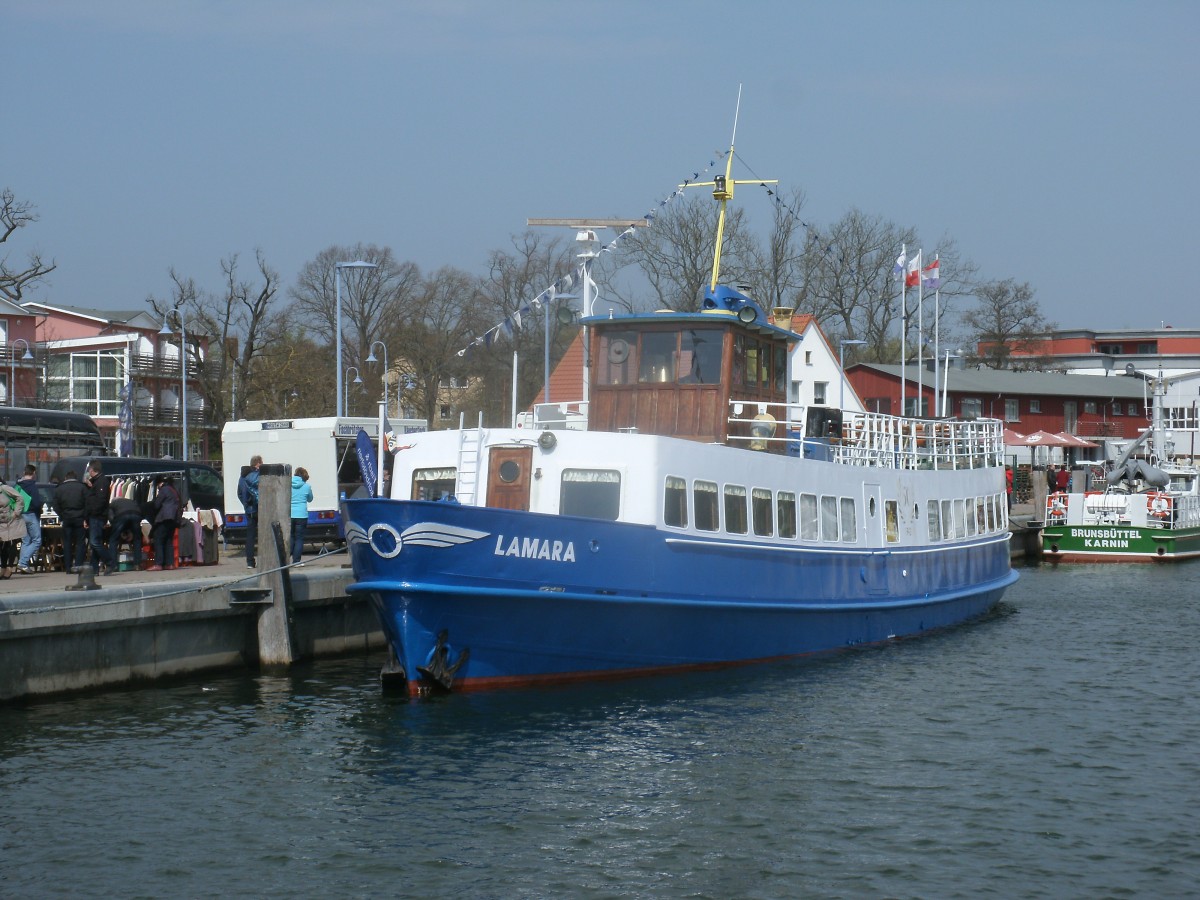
(87,358)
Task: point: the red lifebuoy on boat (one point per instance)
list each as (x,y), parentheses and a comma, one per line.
(1158,506)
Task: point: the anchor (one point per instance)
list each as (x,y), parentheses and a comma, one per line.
(437,670)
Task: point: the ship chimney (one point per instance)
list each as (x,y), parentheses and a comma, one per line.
(783,317)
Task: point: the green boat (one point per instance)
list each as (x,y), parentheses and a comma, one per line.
(1148,510)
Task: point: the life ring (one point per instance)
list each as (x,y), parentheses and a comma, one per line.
(1056,505)
(1158,505)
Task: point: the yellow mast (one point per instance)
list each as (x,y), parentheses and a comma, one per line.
(722,186)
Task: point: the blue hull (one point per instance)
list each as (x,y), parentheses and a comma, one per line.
(538,598)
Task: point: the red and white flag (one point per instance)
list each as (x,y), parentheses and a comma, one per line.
(932,279)
(912,277)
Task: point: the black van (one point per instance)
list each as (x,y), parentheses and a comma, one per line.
(202,486)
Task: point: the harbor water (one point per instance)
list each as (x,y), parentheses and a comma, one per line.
(1050,750)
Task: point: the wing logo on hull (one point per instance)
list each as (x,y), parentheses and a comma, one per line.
(385,541)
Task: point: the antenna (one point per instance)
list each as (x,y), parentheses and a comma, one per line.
(722,186)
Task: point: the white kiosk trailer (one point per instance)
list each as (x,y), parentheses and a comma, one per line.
(325,446)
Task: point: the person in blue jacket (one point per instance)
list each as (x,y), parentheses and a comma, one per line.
(302,495)
(247,494)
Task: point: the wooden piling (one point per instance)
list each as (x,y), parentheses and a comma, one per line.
(276,644)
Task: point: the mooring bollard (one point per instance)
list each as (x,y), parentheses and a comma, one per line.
(86,580)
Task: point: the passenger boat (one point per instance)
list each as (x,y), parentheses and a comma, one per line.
(685,516)
(1148,508)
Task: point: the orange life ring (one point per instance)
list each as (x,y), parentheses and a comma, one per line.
(1158,505)
(1056,505)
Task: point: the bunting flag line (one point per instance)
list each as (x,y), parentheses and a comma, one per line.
(563,285)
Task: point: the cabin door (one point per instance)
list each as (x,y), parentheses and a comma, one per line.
(509,477)
(873,515)
(874,570)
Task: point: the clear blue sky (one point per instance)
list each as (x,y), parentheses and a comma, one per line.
(1056,141)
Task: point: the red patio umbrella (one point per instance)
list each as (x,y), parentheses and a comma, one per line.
(1013,438)
(1074,440)
(1045,439)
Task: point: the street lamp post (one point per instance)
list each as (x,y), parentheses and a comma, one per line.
(357,380)
(12,367)
(337,289)
(166,332)
(842,345)
(383,378)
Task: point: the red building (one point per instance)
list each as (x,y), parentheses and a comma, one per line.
(1094,407)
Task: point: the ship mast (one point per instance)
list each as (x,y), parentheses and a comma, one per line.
(723,186)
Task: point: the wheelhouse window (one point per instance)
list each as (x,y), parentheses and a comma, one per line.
(434,484)
(700,356)
(685,356)
(618,357)
(704,504)
(675,502)
(658,357)
(591,493)
(735,509)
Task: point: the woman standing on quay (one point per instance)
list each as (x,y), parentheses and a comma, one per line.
(302,495)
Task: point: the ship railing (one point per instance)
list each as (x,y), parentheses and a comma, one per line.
(878,439)
(869,439)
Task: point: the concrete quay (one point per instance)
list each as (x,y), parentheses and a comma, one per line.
(142,626)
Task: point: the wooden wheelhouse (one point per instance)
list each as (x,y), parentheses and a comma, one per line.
(685,374)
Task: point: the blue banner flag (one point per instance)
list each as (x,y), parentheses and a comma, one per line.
(366,461)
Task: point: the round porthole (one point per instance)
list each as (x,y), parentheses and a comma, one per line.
(509,471)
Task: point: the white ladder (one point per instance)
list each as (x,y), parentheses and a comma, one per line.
(469,442)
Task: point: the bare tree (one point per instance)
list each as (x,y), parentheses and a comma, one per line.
(374,305)
(675,254)
(240,322)
(1006,318)
(439,320)
(514,278)
(780,268)
(851,289)
(15,214)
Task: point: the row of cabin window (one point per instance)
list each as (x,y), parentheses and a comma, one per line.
(955,519)
(824,518)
